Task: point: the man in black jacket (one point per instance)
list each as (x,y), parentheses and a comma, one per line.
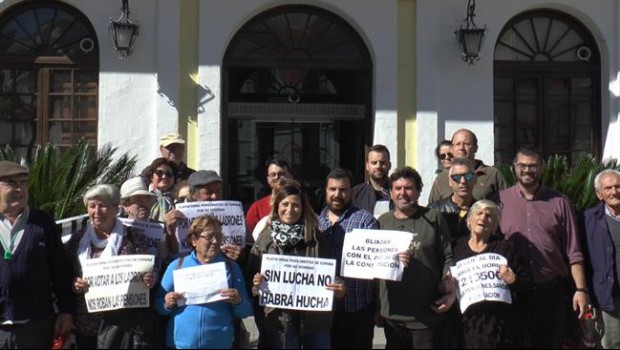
(374,195)
(33,271)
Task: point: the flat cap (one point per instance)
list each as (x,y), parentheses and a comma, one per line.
(10,168)
(203,178)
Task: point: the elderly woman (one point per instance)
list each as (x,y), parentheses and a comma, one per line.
(105,236)
(292,231)
(491,324)
(162,180)
(210,325)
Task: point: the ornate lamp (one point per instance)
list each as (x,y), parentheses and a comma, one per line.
(470,37)
(123,32)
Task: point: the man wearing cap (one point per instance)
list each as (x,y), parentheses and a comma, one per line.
(33,271)
(136,199)
(172,146)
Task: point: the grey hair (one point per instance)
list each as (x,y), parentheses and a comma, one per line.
(107,193)
(485,204)
(465,162)
(597,184)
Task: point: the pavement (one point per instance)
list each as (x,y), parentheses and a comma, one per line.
(378,341)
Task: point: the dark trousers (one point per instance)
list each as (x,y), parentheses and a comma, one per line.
(354,330)
(397,336)
(35,334)
(548,309)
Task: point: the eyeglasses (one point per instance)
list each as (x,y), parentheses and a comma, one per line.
(212,239)
(277,175)
(445,156)
(522,166)
(457,177)
(161,173)
(14,184)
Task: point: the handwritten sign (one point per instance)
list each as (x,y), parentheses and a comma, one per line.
(230,214)
(478,280)
(368,254)
(293,282)
(200,284)
(117,282)
(153,231)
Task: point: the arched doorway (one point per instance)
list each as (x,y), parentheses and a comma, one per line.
(297,82)
(546,86)
(49,76)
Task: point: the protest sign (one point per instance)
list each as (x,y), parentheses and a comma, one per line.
(154,232)
(116,282)
(293,282)
(478,280)
(230,214)
(369,254)
(200,284)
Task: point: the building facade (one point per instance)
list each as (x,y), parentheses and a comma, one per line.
(315,81)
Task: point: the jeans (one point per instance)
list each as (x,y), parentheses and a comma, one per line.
(292,336)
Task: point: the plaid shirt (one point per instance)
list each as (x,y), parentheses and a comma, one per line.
(360,293)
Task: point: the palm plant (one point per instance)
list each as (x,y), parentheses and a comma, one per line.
(58,180)
(574,180)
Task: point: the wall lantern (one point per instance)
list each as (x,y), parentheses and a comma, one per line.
(123,32)
(470,37)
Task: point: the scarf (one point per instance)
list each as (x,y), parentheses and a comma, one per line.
(285,236)
(163,205)
(111,245)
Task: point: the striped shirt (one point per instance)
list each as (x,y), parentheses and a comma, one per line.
(360,293)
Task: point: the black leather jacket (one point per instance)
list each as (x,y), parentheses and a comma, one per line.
(451,213)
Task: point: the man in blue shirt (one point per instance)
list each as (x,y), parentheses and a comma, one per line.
(354,315)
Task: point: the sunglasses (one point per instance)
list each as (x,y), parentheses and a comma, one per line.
(445,156)
(161,173)
(457,177)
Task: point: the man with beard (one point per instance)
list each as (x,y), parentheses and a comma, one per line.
(373,195)
(414,308)
(354,315)
(489,180)
(541,223)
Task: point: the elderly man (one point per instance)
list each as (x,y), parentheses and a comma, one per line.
(354,315)
(413,308)
(541,223)
(489,181)
(373,195)
(172,146)
(602,244)
(33,271)
(136,199)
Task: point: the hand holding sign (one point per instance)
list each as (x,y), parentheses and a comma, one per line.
(80,285)
(231,295)
(338,288)
(507,274)
(171,299)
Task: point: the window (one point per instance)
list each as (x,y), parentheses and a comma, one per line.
(48,76)
(546,86)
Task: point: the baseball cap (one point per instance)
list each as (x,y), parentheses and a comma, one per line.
(170,138)
(135,187)
(10,168)
(203,177)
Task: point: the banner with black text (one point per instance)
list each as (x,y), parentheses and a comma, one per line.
(153,231)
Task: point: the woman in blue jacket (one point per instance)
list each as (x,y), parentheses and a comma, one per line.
(210,325)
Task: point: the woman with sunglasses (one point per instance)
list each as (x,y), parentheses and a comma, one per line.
(490,324)
(161,174)
(292,231)
(443,152)
(208,325)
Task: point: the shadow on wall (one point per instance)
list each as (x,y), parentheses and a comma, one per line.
(204,95)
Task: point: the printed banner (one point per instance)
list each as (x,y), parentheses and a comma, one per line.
(478,280)
(369,254)
(293,282)
(116,282)
(230,214)
(200,284)
(154,232)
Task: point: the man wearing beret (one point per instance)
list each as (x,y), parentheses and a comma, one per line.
(34,276)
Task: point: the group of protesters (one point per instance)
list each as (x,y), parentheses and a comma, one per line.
(482,266)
